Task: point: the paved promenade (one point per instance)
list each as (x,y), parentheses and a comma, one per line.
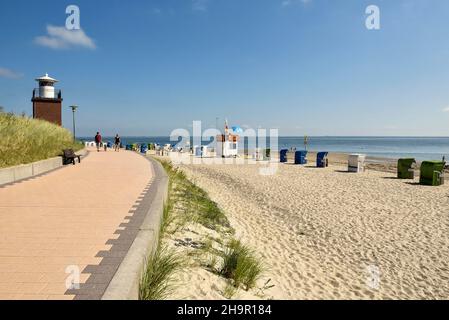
(68,220)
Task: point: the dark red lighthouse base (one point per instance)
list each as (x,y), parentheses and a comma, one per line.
(48,109)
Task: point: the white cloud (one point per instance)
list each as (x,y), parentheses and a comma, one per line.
(9,74)
(200,5)
(62,38)
(287,3)
(157,11)
(446,109)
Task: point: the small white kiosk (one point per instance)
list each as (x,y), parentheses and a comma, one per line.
(227,146)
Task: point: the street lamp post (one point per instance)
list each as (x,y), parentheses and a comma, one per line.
(73,117)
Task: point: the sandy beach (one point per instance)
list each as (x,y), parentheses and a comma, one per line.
(329,234)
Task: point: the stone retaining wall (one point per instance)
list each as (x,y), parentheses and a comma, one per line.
(17,173)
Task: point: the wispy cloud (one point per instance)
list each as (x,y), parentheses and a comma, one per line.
(446,109)
(62,38)
(10,74)
(287,3)
(200,5)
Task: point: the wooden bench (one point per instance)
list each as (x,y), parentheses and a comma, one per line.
(69,156)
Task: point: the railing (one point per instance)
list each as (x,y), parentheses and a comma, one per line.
(57,94)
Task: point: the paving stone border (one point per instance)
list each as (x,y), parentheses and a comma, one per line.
(136,242)
(16,174)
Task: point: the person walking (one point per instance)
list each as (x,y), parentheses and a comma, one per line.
(98,141)
(117,143)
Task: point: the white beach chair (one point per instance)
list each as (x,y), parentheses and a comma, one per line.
(259,155)
(356,163)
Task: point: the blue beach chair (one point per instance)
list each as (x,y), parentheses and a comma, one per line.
(283,155)
(321,160)
(143,148)
(300,157)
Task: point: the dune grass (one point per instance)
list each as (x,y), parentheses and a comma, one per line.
(196,202)
(157,280)
(231,260)
(24,140)
(241,265)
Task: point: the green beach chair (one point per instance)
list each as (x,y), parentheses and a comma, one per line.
(405,170)
(432,173)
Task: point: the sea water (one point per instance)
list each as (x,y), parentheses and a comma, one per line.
(421,148)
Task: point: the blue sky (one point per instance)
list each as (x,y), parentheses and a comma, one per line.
(305,67)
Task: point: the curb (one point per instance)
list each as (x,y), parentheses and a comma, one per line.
(125,283)
(24,172)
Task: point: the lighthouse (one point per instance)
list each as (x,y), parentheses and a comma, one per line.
(47,101)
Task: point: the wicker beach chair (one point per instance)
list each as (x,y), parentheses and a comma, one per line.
(405,168)
(432,173)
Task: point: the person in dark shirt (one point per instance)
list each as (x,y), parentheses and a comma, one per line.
(98,141)
(117,143)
